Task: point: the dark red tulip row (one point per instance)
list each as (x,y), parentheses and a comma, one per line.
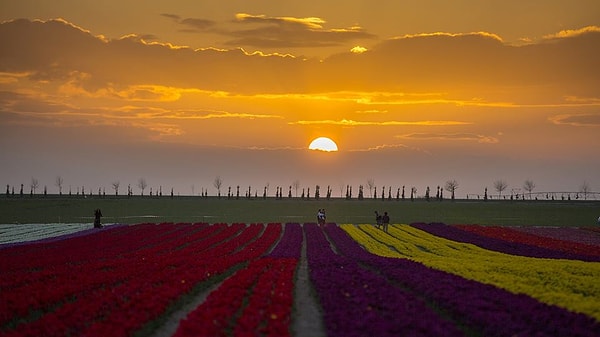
(116,290)
(505,241)
(530,238)
(256,300)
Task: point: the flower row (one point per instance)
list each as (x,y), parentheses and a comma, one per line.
(509,241)
(256,300)
(25,233)
(357,301)
(566,283)
(121,291)
(513,235)
(480,309)
(585,235)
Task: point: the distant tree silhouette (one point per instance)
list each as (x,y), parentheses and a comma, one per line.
(585,189)
(115,186)
(34,185)
(59,183)
(500,185)
(528,186)
(360,192)
(296,184)
(427,194)
(451,186)
(371,186)
(142,184)
(218,182)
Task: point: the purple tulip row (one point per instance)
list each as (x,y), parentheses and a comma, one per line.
(481,309)
(290,245)
(358,301)
(498,245)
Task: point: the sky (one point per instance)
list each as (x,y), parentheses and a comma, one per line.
(414,94)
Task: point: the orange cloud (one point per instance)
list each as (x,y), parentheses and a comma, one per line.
(349,122)
(577,119)
(573,32)
(470,137)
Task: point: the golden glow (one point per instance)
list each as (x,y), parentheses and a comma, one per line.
(323,144)
(358,50)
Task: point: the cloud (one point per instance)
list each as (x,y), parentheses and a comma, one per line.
(568,33)
(349,122)
(277,32)
(467,69)
(469,137)
(577,119)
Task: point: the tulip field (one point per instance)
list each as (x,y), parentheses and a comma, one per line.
(243,279)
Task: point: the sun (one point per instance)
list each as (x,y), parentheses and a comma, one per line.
(323,144)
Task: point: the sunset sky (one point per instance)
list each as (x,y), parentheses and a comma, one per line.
(414,93)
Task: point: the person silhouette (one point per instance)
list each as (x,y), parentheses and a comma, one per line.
(385,220)
(97,216)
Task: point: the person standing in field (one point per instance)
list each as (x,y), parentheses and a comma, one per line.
(385,220)
(321,217)
(97,216)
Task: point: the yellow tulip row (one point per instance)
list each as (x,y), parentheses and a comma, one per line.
(570,284)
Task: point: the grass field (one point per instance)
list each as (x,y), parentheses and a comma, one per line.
(55,209)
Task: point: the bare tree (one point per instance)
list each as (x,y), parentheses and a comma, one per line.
(115,186)
(218,182)
(59,184)
(34,185)
(528,186)
(585,189)
(142,184)
(451,186)
(500,185)
(371,186)
(296,185)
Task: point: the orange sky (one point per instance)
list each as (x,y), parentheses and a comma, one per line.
(413,94)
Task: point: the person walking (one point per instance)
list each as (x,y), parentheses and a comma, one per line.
(378,219)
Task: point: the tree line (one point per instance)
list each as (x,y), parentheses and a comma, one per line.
(526,191)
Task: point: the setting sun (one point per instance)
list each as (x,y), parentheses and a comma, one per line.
(323,144)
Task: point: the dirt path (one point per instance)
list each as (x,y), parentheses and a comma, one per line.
(307,318)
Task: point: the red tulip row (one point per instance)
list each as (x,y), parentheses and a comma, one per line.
(256,300)
(120,289)
(50,285)
(530,238)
